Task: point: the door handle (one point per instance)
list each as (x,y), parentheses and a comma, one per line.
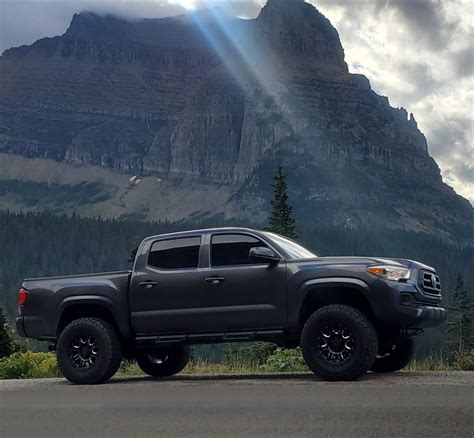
(148,284)
(214,280)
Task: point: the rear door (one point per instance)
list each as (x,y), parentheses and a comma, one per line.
(166,287)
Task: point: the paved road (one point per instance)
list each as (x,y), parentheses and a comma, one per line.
(401,405)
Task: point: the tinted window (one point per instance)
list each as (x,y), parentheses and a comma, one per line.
(175,253)
(233,249)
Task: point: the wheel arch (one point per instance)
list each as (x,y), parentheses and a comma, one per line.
(322,292)
(73,308)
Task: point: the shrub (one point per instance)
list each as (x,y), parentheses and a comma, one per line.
(129,368)
(285,360)
(465,361)
(5,339)
(29,365)
(255,353)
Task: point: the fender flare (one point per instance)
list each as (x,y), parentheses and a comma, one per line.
(100,301)
(311,286)
(336,281)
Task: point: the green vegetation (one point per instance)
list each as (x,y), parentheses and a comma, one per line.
(5,340)
(281,220)
(464,363)
(285,360)
(255,353)
(459,345)
(29,365)
(460,325)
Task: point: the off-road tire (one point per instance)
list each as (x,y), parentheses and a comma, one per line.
(174,359)
(109,348)
(364,342)
(397,359)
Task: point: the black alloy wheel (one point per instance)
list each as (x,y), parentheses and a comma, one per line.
(336,343)
(83,351)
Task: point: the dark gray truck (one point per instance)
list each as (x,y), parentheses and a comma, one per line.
(349,314)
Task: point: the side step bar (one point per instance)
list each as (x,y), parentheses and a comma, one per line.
(203,338)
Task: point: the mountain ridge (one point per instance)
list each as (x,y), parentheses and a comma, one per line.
(221,100)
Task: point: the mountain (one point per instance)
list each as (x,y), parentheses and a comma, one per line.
(203,107)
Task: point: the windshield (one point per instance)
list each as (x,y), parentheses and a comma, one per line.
(292,249)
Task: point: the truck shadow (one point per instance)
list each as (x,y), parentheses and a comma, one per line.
(295,377)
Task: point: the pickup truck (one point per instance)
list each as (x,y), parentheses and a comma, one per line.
(349,314)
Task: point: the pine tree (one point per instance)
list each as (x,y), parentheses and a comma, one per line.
(460,324)
(5,340)
(133,255)
(281,220)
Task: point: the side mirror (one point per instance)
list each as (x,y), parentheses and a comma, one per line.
(264,254)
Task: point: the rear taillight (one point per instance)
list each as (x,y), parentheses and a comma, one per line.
(22,297)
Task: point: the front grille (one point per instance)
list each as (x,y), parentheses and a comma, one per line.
(430,283)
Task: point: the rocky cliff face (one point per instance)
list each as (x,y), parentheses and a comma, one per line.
(218,99)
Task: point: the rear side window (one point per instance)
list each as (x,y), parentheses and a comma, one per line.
(233,249)
(175,253)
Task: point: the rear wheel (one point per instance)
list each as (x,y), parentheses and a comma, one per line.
(399,357)
(339,343)
(88,351)
(164,362)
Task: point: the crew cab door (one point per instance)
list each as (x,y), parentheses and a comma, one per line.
(243,293)
(167,286)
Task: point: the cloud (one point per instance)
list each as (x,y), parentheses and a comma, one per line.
(464,61)
(425,20)
(24,22)
(420,55)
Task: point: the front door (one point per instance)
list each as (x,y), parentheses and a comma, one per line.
(243,294)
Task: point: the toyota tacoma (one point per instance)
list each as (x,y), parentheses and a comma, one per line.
(349,315)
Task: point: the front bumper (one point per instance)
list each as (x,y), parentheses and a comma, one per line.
(405,305)
(416,316)
(429,316)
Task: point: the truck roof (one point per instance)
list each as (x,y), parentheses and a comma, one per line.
(205,231)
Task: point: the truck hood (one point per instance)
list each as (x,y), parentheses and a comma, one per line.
(407,263)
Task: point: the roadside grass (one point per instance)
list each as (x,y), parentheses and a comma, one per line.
(198,367)
(29,365)
(433,364)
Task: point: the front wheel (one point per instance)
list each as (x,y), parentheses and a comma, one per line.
(339,343)
(164,362)
(399,357)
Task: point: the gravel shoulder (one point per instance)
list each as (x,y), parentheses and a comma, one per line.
(400,378)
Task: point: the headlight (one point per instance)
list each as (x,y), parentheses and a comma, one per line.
(390,272)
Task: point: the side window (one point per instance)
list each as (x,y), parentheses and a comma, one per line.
(175,253)
(232,249)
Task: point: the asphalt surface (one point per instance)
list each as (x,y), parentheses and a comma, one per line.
(428,404)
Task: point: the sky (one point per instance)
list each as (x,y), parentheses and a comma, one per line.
(419,53)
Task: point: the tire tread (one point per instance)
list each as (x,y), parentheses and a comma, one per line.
(112,345)
(369,351)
